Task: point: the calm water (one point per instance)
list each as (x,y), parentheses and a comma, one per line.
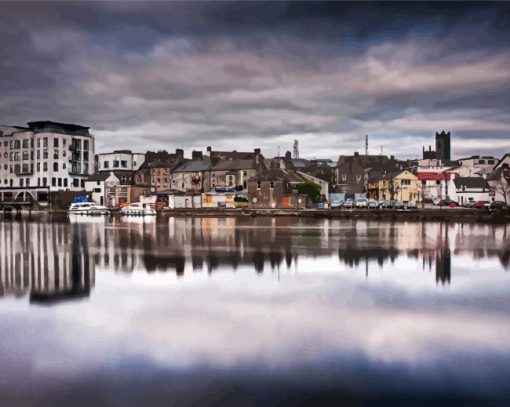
(252,312)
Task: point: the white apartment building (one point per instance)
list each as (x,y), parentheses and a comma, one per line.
(124,160)
(46,154)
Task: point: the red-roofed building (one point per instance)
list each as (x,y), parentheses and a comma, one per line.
(433,184)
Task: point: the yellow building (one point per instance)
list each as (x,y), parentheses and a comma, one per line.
(401,186)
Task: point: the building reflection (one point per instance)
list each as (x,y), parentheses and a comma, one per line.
(47,262)
(58,260)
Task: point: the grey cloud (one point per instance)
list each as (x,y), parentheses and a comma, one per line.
(191,75)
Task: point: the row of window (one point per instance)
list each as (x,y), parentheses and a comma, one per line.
(25,143)
(43,182)
(123,164)
(26,155)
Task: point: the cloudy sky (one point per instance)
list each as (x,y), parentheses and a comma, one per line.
(250,74)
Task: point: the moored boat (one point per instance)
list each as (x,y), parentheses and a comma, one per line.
(87,208)
(138,209)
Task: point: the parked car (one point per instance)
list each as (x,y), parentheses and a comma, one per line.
(480,204)
(411,205)
(384,204)
(337,204)
(448,202)
(373,204)
(398,205)
(469,204)
(498,205)
(349,204)
(361,203)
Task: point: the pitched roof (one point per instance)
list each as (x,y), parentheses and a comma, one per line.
(98,176)
(277,174)
(431,176)
(194,165)
(234,165)
(471,182)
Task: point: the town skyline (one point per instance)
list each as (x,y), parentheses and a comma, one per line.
(240,76)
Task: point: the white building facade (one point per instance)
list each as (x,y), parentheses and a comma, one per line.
(120,160)
(46,154)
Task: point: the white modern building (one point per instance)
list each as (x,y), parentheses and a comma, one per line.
(45,155)
(478,165)
(124,160)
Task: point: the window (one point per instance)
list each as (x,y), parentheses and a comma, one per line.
(45,154)
(27,182)
(83,183)
(60,182)
(438,182)
(54,182)
(45,142)
(45,166)
(21,182)
(38,167)
(38,142)
(107,164)
(85,156)
(25,143)
(38,154)
(76,182)
(64,166)
(123,164)
(344,177)
(245,173)
(55,154)
(26,156)
(16,144)
(258,184)
(97,190)
(55,142)
(55,166)
(65,182)
(406,182)
(44,181)
(116,165)
(16,156)
(85,144)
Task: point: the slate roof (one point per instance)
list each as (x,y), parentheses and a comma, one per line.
(233,165)
(277,174)
(471,182)
(194,165)
(98,176)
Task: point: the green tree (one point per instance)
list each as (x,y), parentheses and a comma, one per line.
(311,189)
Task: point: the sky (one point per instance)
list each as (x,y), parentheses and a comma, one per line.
(243,75)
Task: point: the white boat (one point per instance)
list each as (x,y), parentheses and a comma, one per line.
(139,209)
(87,208)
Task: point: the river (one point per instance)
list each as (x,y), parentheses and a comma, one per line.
(252,311)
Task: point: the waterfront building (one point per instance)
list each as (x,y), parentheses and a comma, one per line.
(234,170)
(465,189)
(156,171)
(401,185)
(193,176)
(45,156)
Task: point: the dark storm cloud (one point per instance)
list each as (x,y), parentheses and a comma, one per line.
(247,74)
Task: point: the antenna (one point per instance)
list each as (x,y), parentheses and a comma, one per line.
(295,150)
(366,144)
(381,150)
(278,155)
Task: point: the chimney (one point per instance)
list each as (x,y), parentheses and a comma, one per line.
(196,155)
(257,151)
(288,156)
(356,154)
(179,152)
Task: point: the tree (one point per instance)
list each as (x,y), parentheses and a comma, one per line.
(502,185)
(311,189)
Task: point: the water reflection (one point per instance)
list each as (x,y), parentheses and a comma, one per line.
(57,261)
(50,262)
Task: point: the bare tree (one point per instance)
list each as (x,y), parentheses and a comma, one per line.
(502,186)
